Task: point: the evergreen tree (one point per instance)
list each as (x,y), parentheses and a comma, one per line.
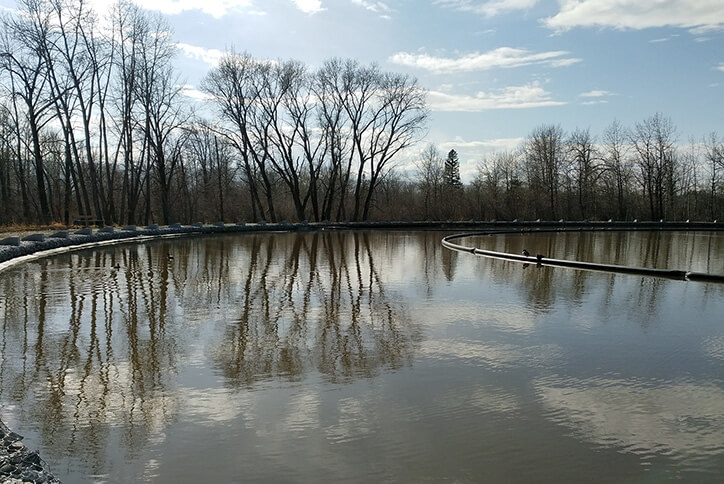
(451,175)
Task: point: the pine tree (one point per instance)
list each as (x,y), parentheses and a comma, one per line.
(451,175)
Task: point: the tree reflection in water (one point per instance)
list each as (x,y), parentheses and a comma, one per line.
(319,301)
(281,352)
(91,352)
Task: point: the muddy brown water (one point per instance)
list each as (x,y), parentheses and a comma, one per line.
(367,357)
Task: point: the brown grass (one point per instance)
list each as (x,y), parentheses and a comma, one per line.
(11,228)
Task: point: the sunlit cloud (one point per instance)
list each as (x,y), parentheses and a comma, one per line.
(502,57)
(191,92)
(209,56)
(721,67)
(595,93)
(512,97)
(488,9)
(215,8)
(380,8)
(484,146)
(699,16)
(309,6)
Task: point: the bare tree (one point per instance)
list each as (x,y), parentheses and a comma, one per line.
(20,43)
(653,141)
(618,172)
(158,92)
(545,158)
(498,182)
(587,168)
(430,169)
(714,157)
(232,87)
(131,27)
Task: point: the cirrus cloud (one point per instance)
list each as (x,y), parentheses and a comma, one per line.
(502,57)
(488,9)
(512,97)
(699,16)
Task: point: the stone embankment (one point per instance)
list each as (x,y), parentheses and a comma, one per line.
(14,247)
(18,464)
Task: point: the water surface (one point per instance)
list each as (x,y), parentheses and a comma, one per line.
(367,356)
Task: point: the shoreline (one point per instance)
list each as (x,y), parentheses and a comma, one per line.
(28,245)
(19,464)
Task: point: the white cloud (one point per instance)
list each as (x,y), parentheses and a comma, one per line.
(488,9)
(497,58)
(215,8)
(377,7)
(191,92)
(209,56)
(595,93)
(485,146)
(721,67)
(309,6)
(512,97)
(699,15)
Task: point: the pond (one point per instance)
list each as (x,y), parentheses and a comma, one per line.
(366,357)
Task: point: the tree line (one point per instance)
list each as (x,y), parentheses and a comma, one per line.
(94,124)
(641,172)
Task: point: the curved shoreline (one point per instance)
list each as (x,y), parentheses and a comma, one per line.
(17,249)
(542,260)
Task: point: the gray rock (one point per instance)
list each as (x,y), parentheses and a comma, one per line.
(10,241)
(34,238)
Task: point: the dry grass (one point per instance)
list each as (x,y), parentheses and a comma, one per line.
(15,228)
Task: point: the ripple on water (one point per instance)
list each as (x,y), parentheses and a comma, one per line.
(496,356)
(714,347)
(680,419)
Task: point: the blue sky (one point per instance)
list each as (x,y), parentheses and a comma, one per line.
(494,69)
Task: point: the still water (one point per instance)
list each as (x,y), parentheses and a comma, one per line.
(367,357)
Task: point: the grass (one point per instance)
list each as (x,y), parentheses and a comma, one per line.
(12,228)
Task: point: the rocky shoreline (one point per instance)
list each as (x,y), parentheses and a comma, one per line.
(18,464)
(20,246)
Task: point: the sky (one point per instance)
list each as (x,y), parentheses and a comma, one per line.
(494,70)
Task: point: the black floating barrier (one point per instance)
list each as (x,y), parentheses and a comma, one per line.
(574,264)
